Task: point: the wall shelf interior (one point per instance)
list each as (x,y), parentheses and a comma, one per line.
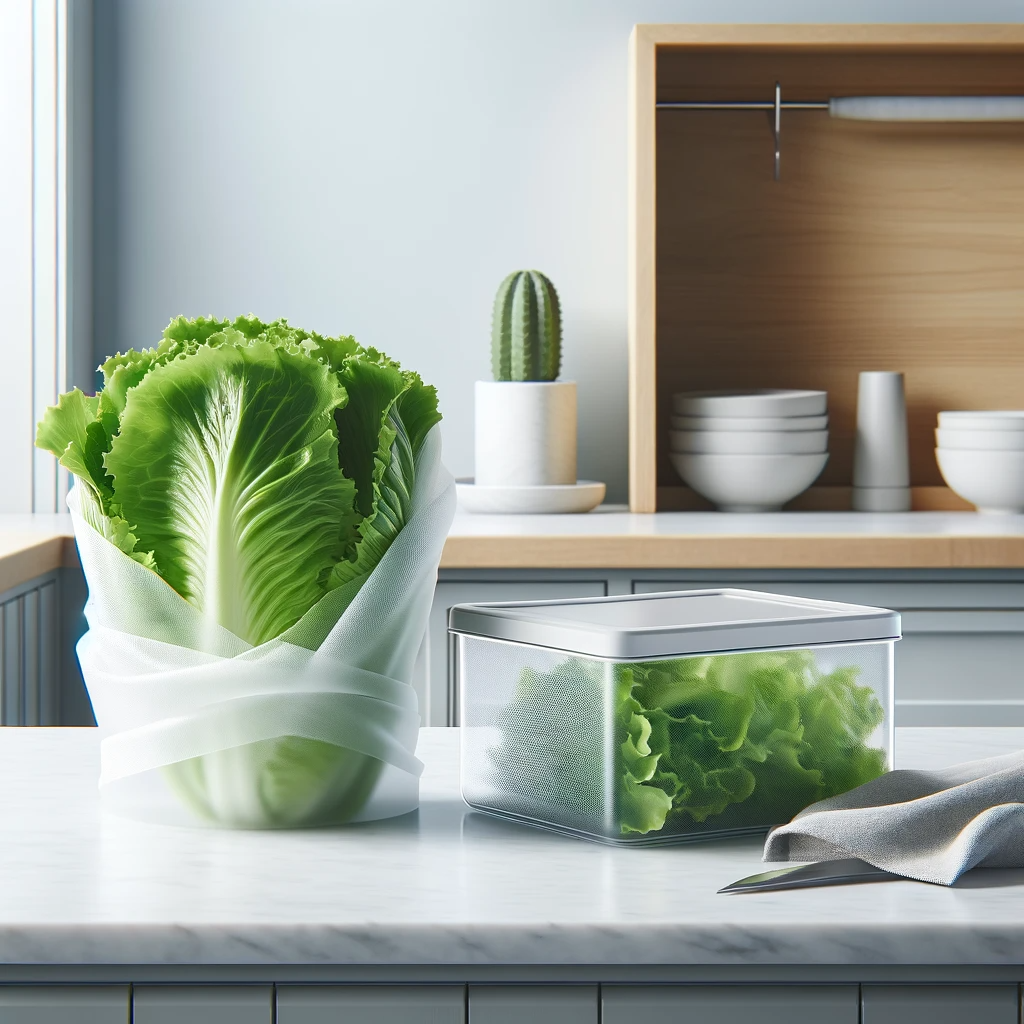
(884,246)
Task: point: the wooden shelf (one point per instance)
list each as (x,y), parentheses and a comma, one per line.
(883,246)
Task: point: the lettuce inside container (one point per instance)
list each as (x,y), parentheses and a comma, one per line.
(665,718)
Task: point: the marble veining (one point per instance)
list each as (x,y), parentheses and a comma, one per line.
(445,885)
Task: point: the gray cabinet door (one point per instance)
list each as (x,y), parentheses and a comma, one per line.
(730,1004)
(940,1004)
(533,1004)
(72,1004)
(370,1004)
(202,1004)
(439,697)
(958,662)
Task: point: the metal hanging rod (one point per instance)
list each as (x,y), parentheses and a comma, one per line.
(871,108)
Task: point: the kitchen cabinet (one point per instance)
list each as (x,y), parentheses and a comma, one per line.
(70,1004)
(951,625)
(371,1004)
(731,1004)
(28,658)
(438,690)
(940,1004)
(956,665)
(533,1004)
(202,1004)
(737,280)
(948,631)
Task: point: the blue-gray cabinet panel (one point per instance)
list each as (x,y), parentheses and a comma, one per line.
(438,693)
(370,1004)
(940,1004)
(730,1004)
(202,1004)
(72,1004)
(533,1004)
(958,662)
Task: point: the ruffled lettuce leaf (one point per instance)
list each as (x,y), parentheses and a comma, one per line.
(262,471)
(381,418)
(749,739)
(228,462)
(711,742)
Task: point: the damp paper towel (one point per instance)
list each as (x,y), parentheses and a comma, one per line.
(314,727)
(928,825)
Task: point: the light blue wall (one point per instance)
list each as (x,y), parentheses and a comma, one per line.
(376,167)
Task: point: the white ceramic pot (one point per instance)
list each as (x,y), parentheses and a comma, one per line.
(525,433)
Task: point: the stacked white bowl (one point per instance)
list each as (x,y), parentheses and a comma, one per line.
(981,456)
(749,451)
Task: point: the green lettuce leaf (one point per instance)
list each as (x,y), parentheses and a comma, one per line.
(262,471)
(730,741)
(228,463)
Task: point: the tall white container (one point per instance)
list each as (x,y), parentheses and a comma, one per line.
(881,459)
(525,433)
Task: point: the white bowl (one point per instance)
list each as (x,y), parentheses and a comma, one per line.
(758,402)
(786,423)
(749,442)
(980,440)
(749,483)
(993,481)
(984,419)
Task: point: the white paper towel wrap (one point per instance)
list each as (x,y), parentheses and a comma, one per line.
(167,688)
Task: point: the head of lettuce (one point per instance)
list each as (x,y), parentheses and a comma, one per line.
(260,512)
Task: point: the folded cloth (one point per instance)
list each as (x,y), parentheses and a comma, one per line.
(928,825)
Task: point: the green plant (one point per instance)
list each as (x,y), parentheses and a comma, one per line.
(526,333)
(261,471)
(717,741)
(253,466)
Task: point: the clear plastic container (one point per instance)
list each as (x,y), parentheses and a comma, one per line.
(670,717)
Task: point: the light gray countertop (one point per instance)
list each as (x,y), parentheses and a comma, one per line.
(445,885)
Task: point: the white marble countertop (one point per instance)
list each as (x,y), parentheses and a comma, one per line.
(445,885)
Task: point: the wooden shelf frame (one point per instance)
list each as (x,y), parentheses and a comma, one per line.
(650,42)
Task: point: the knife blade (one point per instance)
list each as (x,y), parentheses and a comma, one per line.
(802,876)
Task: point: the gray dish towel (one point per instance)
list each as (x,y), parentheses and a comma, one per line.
(928,825)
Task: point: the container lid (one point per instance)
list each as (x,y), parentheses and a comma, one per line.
(665,625)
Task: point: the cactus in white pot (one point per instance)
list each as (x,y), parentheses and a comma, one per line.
(526,332)
(525,417)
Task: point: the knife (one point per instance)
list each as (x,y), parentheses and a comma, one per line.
(802,876)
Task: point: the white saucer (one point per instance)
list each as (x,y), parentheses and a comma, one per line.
(581,496)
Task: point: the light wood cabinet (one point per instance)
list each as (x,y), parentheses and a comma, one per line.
(371,1004)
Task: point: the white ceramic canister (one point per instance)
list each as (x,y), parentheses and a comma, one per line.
(881,459)
(525,433)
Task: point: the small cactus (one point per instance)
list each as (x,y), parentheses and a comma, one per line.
(526,336)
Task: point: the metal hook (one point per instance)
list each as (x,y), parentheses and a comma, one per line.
(778,126)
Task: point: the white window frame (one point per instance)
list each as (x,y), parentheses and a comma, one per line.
(45,215)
